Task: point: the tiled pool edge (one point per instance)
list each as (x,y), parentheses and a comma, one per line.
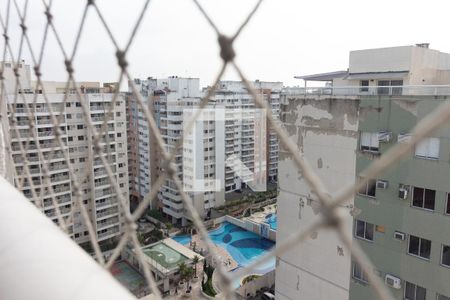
(261,229)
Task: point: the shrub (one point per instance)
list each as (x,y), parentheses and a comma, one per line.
(249,278)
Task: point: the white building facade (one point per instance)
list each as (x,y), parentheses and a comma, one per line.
(219,157)
(44,152)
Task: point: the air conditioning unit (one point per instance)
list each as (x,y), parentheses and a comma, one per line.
(393,281)
(399,236)
(403,193)
(384,136)
(382,184)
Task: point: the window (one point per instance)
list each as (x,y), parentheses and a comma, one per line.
(419,247)
(447,208)
(423,198)
(390,87)
(369,141)
(364,86)
(364,230)
(358,274)
(445,260)
(80,126)
(70,138)
(369,189)
(428,148)
(78,104)
(414,292)
(81,138)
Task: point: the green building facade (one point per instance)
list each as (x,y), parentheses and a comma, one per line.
(404,219)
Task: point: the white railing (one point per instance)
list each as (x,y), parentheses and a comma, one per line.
(416,90)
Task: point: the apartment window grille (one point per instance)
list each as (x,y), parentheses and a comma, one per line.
(364,86)
(358,273)
(364,230)
(428,148)
(369,189)
(424,198)
(419,247)
(369,141)
(445,259)
(414,292)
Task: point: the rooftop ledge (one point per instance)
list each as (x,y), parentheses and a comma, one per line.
(405,90)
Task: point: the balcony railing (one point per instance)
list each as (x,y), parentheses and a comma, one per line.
(420,90)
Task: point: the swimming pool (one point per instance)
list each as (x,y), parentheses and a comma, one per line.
(244,246)
(271,219)
(182,239)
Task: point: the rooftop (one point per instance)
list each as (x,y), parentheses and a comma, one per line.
(164,255)
(129,277)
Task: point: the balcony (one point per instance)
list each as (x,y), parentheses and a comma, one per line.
(107,223)
(108,233)
(420,90)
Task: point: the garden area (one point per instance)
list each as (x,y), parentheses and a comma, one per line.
(207,286)
(246,204)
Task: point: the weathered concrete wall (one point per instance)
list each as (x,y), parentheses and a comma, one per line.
(326,131)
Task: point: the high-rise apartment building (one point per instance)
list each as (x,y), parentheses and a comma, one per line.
(400,219)
(32,133)
(222,159)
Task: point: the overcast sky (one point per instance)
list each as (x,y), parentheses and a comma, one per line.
(285,38)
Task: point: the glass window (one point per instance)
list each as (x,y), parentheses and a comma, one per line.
(423,198)
(428,148)
(445,255)
(358,273)
(369,188)
(419,247)
(414,292)
(364,230)
(364,86)
(369,141)
(447,210)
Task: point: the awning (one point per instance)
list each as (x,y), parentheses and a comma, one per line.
(377,75)
(323,76)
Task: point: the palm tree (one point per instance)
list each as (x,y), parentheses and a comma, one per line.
(182,269)
(195,260)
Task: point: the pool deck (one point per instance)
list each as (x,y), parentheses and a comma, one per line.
(260,217)
(225,258)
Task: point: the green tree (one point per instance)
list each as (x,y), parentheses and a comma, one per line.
(182,269)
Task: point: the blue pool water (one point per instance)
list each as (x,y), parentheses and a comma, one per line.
(182,239)
(244,246)
(271,219)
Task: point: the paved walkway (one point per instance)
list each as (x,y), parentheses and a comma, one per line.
(224,257)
